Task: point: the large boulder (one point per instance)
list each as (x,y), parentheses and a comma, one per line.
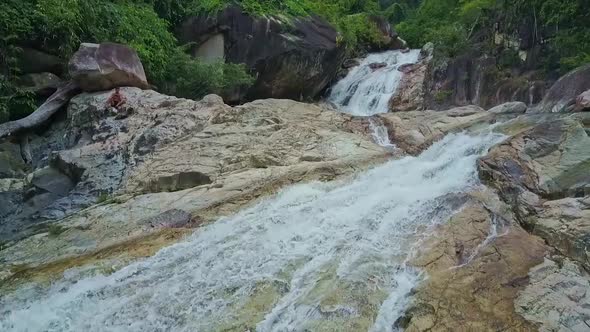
(291,58)
(563,94)
(100,67)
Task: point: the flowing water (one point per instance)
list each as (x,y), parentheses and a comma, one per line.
(316,257)
(365,91)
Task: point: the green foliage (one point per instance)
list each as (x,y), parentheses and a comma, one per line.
(458,25)
(191,78)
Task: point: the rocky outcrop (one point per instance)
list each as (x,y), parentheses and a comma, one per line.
(477,264)
(543,173)
(410,95)
(157,153)
(99,67)
(557,297)
(562,95)
(291,58)
(511,107)
(416,130)
(475,79)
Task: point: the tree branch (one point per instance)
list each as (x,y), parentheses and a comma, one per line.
(61,97)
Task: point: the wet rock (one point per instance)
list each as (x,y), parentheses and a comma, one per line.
(512,107)
(414,131)
(477,264)
(99,67)
(557,298)
(350,63)
(291,58)
(377,65)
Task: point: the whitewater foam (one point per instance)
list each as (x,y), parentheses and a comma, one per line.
(313,255)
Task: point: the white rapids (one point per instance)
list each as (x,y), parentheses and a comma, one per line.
(366,92)
(319,256)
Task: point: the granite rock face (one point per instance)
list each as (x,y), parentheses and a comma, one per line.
(162,164)
(291,58)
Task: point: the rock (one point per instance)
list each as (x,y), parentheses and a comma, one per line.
(512,107)
(99,67)
(51,180)
(291,58)
(412,89)
(562,95)
(550,160)
(472,78)
(565,225)
(583,101)
(543,173)
(170,219)
(557,298)
(350,63)
(477,264)
(202,157)
(377,65)
(415,131)
(42,84)
(32,61)
(12,164)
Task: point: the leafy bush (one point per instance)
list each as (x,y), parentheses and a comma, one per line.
(190,78)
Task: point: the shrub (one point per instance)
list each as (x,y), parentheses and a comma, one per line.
(191,78)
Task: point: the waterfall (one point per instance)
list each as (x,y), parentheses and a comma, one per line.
(366,91)
(318,256)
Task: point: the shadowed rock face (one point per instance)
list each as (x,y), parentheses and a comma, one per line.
(99,67)
(292,58)
(562,95)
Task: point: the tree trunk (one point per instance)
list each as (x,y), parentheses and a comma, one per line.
(61,97)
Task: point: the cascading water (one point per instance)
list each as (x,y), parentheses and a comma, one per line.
(315,257)
(366,91)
